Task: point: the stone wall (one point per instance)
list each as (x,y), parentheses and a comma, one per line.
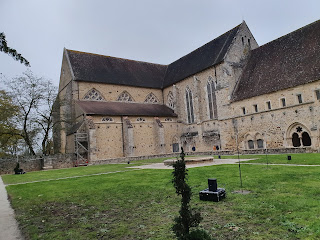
(29,164)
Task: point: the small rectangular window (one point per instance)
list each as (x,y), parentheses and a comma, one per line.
(283,102)
(244,111)
(318,94)
(269,105)
(299,98)
(255,107)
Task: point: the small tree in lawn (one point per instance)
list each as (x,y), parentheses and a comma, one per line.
(188,218)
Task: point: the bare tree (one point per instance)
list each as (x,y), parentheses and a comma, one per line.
(34,97)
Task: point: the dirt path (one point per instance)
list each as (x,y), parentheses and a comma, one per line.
(215,162)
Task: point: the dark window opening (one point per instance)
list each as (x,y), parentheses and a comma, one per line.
(269,105)
(250,144)
(255,107)
(249,41)
(296,140)
(299,98)
(260,143)
(283,102)
(306,140)
(318,94)
(242,41)
(244,110)
(189,106)
(175,147)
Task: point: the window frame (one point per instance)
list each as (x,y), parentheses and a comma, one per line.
(299,98)
(210,94)
(269,107)
(189,106)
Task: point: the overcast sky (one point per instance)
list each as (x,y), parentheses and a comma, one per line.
(158,31)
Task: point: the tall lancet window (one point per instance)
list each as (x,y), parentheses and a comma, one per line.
(211,97)
(189,102)
(170,100)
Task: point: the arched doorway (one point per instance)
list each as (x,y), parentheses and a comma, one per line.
(306,140)
(298,136)
(296,140)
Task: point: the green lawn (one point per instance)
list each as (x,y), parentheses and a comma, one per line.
(296,158)
(284,203)
(72,172)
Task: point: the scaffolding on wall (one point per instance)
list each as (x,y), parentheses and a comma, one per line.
(81,149)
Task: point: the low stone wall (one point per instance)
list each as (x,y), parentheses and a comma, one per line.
(28,164)
(32,163)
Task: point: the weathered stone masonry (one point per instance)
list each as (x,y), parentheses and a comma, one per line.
(229,93)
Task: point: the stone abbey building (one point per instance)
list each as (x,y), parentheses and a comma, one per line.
(226,94)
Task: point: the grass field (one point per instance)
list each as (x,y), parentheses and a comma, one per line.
(141,204)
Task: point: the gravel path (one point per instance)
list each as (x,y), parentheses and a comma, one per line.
(215,162)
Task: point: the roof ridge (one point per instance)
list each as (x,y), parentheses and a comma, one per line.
(107,56)
(288,34)
(207,43)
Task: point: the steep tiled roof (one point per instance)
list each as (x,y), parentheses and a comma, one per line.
(104,69)
(289,61)
(125,109)
(200,59)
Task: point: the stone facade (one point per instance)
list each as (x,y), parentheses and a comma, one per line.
(205,114)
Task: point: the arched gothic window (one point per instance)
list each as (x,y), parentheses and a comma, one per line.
(260,143)
(250,144)
(189,103)
(170,100)
(299,136)
(125,97)
(151,98)
(211,97)
(306,140)
(296,140)
(94,95)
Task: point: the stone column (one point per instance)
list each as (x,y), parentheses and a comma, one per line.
(92,143)
(177,107)
(159,135)
(128,137)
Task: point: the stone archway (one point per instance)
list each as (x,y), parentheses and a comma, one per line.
(298,135)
